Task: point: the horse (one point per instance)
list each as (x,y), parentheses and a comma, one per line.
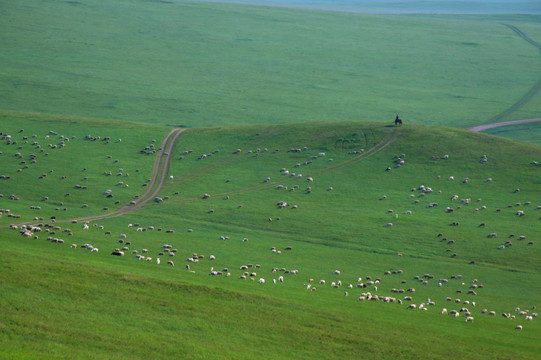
(397,121)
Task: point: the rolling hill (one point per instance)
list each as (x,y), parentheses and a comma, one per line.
(63,302)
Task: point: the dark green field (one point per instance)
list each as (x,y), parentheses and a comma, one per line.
(203,64)
(299,220)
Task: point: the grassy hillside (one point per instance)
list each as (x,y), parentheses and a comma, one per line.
(72,302)
(526,132)
(202,64)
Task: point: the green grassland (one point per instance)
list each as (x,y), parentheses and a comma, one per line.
(63,302)
(278,105)
(202,64)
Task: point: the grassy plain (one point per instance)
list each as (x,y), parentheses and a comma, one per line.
(201,64)
(61,302)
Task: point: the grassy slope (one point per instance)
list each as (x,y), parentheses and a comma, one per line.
(82,162)
(200,64)
(527,132)
(73,303)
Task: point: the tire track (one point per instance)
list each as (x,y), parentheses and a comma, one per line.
(500,124)
(162,162)
(523,35)
(534,89)
(385,142)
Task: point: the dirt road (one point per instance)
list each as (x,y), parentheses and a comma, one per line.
(158,176)
(504,123)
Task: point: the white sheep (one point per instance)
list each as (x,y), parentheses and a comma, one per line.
(469,319)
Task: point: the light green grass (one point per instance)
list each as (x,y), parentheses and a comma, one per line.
(74,303)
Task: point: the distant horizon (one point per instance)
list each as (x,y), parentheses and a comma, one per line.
(435,7)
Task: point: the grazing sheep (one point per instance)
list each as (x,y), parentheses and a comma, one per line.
(469,319)
(170,262)
(518,327)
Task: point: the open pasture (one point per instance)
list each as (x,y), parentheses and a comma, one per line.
(342,222)
(199,64)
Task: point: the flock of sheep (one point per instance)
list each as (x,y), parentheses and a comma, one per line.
(466,302)
(367,288)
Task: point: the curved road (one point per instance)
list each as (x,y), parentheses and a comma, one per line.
(499,124)
(160,168)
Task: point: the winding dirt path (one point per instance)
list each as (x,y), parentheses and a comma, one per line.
(385,142)
(504,123)
(159,174)
(161,168)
